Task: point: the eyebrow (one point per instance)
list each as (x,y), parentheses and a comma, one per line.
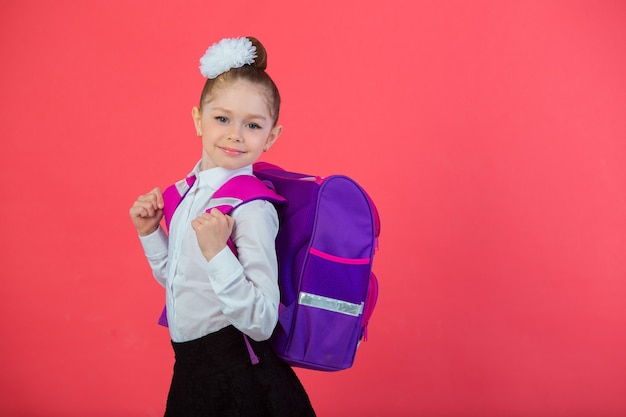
(249,116)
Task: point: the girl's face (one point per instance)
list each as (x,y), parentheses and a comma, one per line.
(236,125)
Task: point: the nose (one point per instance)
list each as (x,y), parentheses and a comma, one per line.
(235,134)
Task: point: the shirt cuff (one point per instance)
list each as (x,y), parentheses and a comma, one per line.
(155,243)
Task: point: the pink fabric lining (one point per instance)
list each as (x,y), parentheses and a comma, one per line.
(348,261)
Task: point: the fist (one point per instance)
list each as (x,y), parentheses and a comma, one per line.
(147,212)
(212,231)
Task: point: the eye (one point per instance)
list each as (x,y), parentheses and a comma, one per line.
(221,119)
(253,126)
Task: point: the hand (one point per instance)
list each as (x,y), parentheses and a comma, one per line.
(147,212)
(212,231)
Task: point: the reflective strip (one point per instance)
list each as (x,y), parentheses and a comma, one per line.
(225,201)
(313,179)
(182,187)
(330,304)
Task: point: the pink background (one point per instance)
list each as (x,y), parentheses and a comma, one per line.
(491,134)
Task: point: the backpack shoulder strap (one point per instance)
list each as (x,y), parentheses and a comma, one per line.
(173,195)
(243,189)
(235,192)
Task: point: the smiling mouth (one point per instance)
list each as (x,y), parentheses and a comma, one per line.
(231,151)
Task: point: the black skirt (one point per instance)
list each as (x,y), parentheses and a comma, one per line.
(214,376)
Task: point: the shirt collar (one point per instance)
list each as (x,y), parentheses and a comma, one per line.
(216,177)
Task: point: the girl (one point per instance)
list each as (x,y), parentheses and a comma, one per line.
(213,296)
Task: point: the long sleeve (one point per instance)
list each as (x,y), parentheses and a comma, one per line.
(155,246)
(247,286)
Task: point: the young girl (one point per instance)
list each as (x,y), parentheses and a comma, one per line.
(213,296)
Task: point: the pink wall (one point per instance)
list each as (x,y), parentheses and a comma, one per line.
(491,134)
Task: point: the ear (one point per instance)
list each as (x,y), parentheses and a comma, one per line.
(273,136)
(196,114)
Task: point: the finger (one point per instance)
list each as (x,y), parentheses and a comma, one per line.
(159,197)
(136,211)
(146,200)
(144,209)
(154,197)
(204,217)
(216,213)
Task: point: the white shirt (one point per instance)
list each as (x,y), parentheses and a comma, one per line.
(203,296)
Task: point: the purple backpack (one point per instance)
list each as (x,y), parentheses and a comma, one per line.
(328,234)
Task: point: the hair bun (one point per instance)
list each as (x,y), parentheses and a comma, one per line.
(260,61)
